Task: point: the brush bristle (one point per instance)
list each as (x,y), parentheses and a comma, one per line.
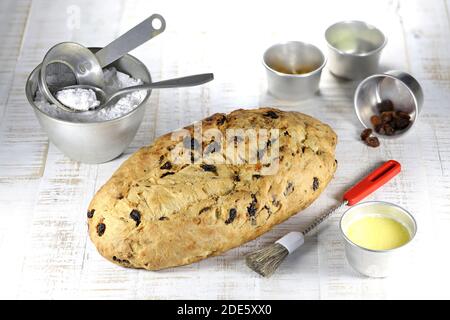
(266,260)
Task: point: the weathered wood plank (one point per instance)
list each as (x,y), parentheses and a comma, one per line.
(17,199)
(57,236)
(13,15)
(427,30)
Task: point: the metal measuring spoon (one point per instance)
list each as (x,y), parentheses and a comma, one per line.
(106,100)
(70,63)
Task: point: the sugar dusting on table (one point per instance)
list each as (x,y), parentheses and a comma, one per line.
(114,81)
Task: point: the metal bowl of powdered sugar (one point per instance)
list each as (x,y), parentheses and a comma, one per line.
(95,136)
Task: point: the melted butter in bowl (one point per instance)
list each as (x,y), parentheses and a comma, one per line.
(377,237)
(376,232)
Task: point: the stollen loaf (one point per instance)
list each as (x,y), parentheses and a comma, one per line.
(210,187)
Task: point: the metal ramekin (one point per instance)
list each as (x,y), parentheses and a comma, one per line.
(400,87)
(354,49)
(292,55)
(377,263)
(93,142)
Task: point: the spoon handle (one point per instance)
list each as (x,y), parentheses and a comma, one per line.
(189,81)
(130,40)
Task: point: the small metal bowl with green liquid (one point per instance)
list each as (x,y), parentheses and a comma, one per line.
(354,49)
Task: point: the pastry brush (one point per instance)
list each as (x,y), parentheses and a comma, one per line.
(266,260)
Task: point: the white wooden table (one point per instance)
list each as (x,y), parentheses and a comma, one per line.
(44,248)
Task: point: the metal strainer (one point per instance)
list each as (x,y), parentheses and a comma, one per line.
(69,63)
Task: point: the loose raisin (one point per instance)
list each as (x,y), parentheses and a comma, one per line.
(315,184)
(372,142)
(388,130)
(379,129)
(401,123)
(90,213)
(231,216)
(101,227)
(366,133)
(403,115)
(375,120)
(385,105)
(136,216)
(387,116)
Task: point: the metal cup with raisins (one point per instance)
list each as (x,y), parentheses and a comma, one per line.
(389,103)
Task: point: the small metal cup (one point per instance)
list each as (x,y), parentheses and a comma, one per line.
(93,142)
(377,263)
(400,87)
(293,70)
(354,49)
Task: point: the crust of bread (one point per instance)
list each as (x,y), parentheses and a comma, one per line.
(156,213)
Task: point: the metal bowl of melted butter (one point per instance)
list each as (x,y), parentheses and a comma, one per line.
(377,237)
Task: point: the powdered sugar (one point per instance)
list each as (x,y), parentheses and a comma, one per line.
(78,99)
(114,80)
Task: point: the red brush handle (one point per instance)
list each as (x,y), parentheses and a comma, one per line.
(372,182)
